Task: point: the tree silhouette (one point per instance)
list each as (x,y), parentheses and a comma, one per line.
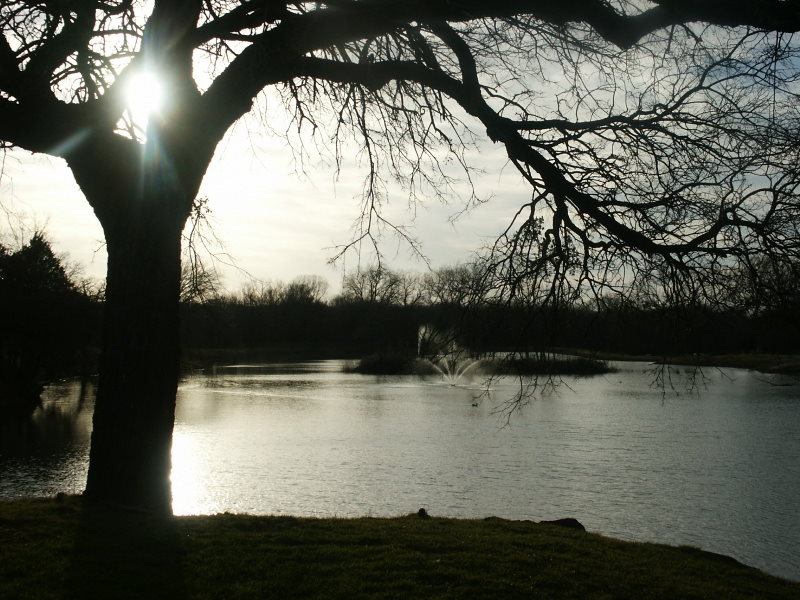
(45,322)
(653,134)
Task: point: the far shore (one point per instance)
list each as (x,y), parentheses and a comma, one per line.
(787,364)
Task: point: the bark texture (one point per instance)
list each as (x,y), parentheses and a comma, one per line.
(142,206)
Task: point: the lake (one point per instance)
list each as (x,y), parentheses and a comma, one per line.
(705,459)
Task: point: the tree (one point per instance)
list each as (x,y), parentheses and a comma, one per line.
(459,285)
(375,284)
(306,289)
(45,322)
(659,131)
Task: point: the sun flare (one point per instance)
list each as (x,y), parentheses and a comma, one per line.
(145,95)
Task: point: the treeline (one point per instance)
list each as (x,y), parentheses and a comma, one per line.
(378,310)
(50,318)
(383,310)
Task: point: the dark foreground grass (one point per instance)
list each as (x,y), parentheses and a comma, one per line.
(52,549)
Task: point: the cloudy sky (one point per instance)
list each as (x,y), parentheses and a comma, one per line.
(273,223)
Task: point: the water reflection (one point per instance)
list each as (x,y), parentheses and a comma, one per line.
(59,422)
(714,466)
(46,452)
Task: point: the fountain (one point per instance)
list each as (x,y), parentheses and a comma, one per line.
(452,369)
(440,350)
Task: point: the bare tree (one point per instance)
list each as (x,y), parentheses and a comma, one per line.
(650,132)
(410,290)
(375,284)
(462,285)
(306,288)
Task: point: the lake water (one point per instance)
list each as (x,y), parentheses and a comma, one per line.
(710,461)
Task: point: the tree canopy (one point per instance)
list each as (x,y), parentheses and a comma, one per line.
(654,135)
(658,138)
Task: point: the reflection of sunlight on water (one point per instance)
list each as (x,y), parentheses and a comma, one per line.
(187,480)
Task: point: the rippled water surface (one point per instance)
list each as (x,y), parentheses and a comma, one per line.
(710,462)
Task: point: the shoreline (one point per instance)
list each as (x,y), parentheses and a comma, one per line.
(784,364)
(778,364)
(60,546)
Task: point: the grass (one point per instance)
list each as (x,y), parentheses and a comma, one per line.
(60,550)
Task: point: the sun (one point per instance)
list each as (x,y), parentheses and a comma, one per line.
(145,95)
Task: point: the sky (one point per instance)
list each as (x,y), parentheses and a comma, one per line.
(272,223)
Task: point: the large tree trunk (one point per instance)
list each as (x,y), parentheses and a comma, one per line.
(135,408)
(143,209)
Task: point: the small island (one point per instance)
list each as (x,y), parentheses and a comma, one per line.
(539,364)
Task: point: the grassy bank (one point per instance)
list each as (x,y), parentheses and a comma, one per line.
(55,549)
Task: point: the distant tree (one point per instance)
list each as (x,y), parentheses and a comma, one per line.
(306,289)
(411,290)
(660,131)
(45,320)
(461,285)
(302,289)
(375,284)
(259,293)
